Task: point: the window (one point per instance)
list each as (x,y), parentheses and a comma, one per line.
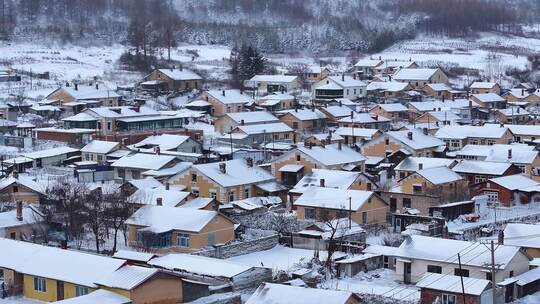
(109,125)
(406,202)
(522,168)
(164,240)
(511,274)
(15,188)
(434,269)
(13,235)
(121,173)
(40,284)
(99,157)
(461,272)
(295,125)
(193,178)
(86,156)
(213,194)
(80,290)
(246,193)
(417,189)
(364,217)
(448,299)
(479,178)
(211,238)
(386,141)
(135,174)
(342,213)
(195,192)
(183,240)
(310,213)
(488,276)
(493,196)
(347,91)
(231,196)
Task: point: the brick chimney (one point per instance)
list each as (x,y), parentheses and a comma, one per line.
(509,153)
(500,237)
(223,92)
(420,166)
(76,86)
(19,211)
(339,145)
(249,162)
(242,122)
(223,168)
(158,151)
(409,135)
(159,201)
(167,186)
(97,86)
(322,182)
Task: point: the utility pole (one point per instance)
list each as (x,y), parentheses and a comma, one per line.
(350,212)
(493,285)
(461,278)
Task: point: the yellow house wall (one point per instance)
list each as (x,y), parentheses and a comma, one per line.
(62,96)
(308,164)
(377,147)
(161,290)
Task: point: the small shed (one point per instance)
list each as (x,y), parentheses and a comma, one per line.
(351,266)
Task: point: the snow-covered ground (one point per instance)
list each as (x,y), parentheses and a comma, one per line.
(377,282)
(19,300)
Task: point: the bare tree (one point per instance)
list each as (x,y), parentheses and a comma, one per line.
(95,210)
(302,70)
(118,210)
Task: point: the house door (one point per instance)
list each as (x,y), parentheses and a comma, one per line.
(509,293)
(393,204)
(407,273)
(59,290)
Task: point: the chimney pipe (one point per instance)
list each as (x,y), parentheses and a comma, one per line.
(509,153)
(167,186)
(420,166)
(223,168)
(242,122)
(339,145)
(19,211)
(76,86)
(352,114)
(425,130)
(500,237)
(159,201)
(409,135)
(223,92)
(97,86)
(249,162)
(342,77)
(158,150)
(322,182)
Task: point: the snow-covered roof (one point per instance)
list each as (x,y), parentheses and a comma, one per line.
(274,78)
(269,293)
(514,182)
(364,118)
(414,74)
(392,107)
(49,152)
(522,235)
(323,136)
(520,153)
(438,105)
(446,250)
(127,277)
(331,155)
(488,97)
(524,129)
(252,117)
(357,132)
(482,85)
(159,219)
(439,87)
(29,216)
(100,146)
(237,172)
(446,115)
(197,203)
(453,284)
(199,265)
(439,175)
(413,163)
(198,103)
(338,111)
(333,198)
(513,111)
(164,141)
(277,127)
(145,183)
(231,96)
(22,179)
(143,161)
(306,114)
(389,86)
(481,167)
(462,132)
(332,179)
(100,296)
(180,74)
(380,249)
(419,139)
(90,92)
(133,255)
(147,196)
(121,112)
(346,81)
(55,263)
(370,63)
(527,277)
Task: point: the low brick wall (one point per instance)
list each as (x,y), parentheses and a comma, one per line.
(240,248)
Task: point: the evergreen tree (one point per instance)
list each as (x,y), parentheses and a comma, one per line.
(246,63)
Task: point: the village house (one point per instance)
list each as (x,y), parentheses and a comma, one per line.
(22,223)
(418,77)
(226,101)
(323,204)
(175,79)
(266,84)
(282,294)
(166,229)
(333,87)
(290,167)
(353,136)
(388,90)
(84,95)
(532,99)
(525,236)
(391,66)
(438,91)
(335,112)
(525,133)
(311,73)
(412,164)
(365,68)
(489,100)
(414,261)
(159,196)
(20,187)
(415,142)
(98,296)
(448,289)
(515,96)
(512,115)
(319,139)
(228,181)
(506,190)
(365,120)
(393,111)
(318,235)
(479,87)
(201,203)
(457,137)
(479,171)
(133,165)
(167,143)
(260,134)
(277,102)
(97,150)
(229,121)
(461,106)
(304,119)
